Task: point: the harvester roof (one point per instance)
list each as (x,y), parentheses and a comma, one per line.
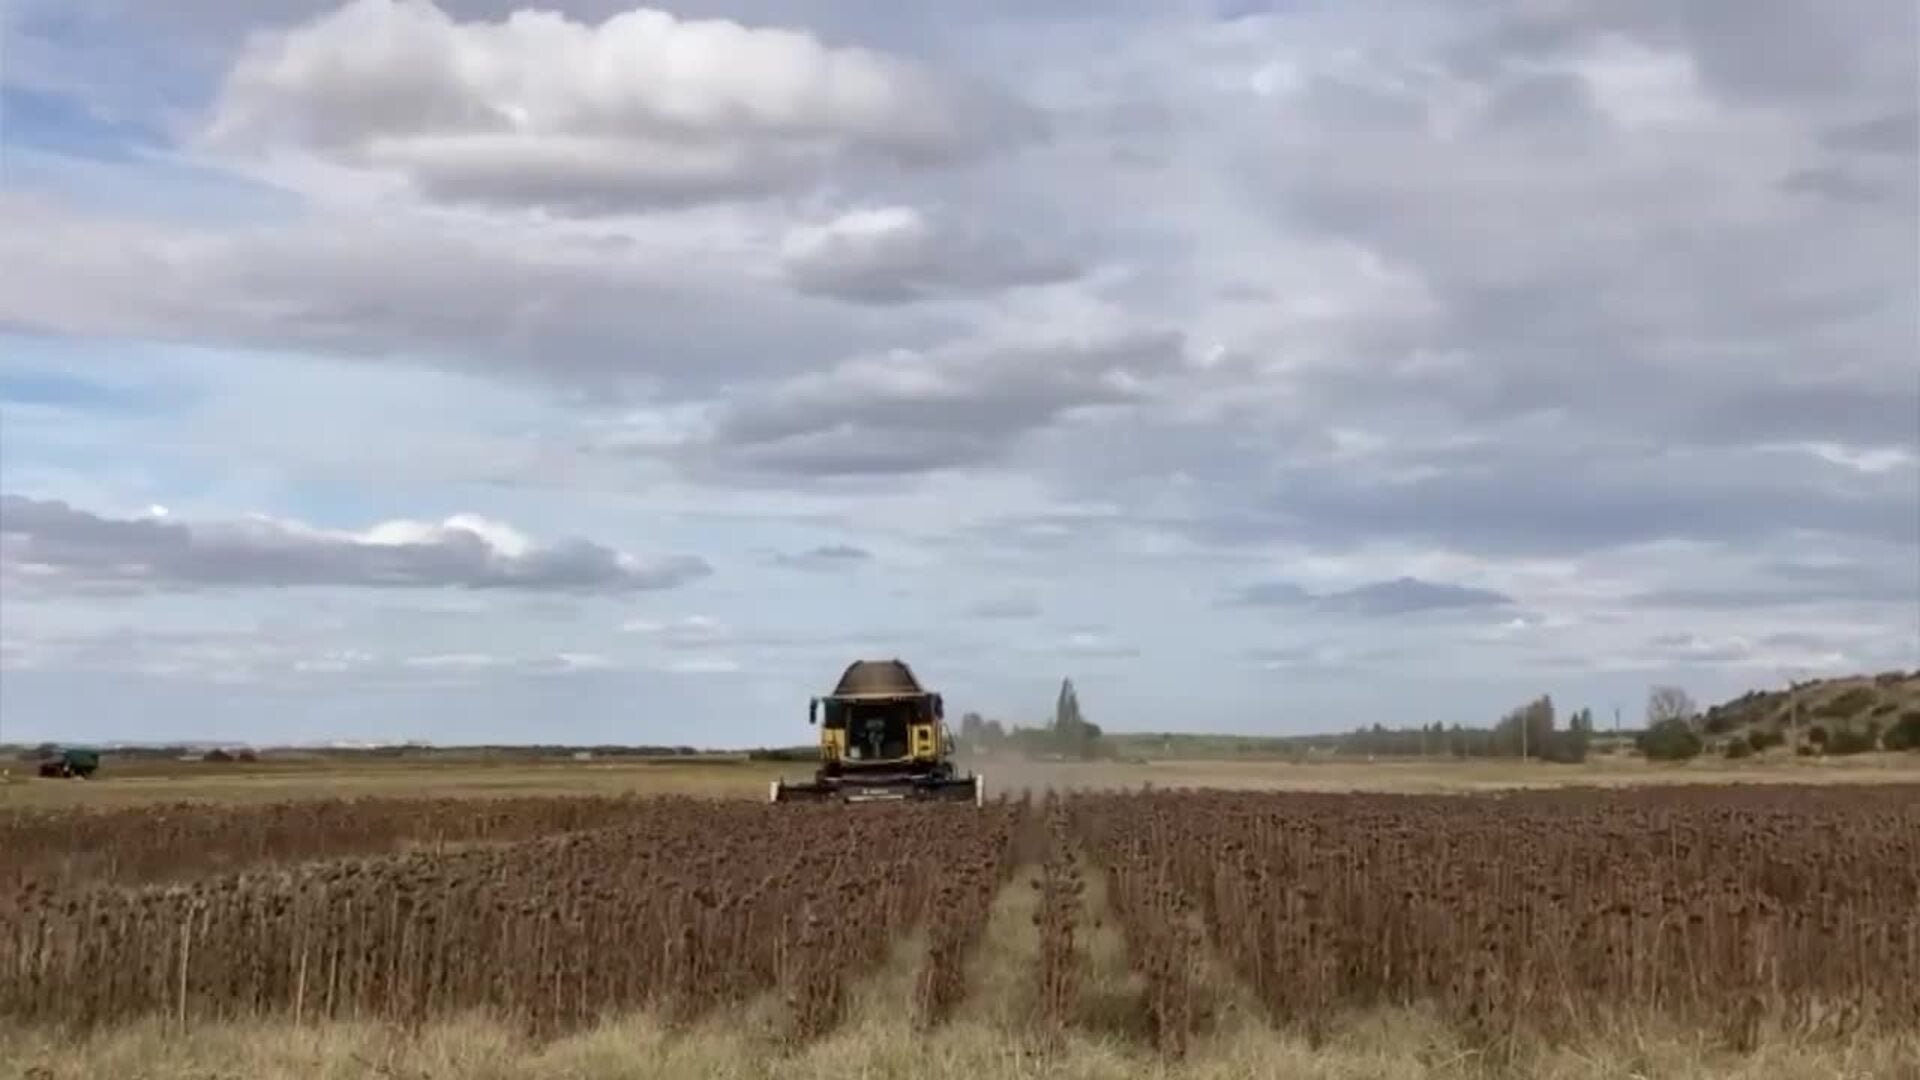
(878,679)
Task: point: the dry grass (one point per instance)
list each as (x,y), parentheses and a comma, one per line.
(1383,1046)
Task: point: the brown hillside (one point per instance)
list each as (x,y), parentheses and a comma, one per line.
(1856,707)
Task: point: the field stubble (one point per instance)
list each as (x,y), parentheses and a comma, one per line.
(1725,932)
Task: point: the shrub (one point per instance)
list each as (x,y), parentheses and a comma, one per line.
(1739,748)
(1905,732)
(1672,739)
(1850,703)
(1849,741)
(1765,738)
(1564,747)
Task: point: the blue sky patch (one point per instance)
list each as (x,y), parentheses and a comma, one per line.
(64,392)
(48,121)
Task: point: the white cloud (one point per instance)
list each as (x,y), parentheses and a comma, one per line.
(48,544)
(540,109)
(691,632)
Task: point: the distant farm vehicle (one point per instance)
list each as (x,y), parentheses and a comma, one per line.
(70,765)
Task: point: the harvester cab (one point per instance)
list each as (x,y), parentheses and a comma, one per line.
(883,738)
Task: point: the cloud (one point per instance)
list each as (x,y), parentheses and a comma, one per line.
(1896,133)
(1400,596)
(1570,166)
(641,109)
(896,254)
(1880,577)
(300,657)
(1518,496)
(1008,607)
(486,296)
(1094,645)
(825,557)
(691,632)
(911,411)
(51,544)
(1583,331)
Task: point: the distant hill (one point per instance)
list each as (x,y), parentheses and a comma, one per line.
(1850,714)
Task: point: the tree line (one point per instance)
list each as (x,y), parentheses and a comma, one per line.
(1531,730)
(1067,733)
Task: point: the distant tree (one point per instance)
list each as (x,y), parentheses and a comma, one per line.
(1527,730)
(1666,703)
(1071,732)
(1572,746)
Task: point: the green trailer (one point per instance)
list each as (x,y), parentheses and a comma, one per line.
(70,764)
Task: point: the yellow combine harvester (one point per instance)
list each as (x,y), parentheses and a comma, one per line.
(883,737)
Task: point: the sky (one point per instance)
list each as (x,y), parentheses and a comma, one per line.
(585,373)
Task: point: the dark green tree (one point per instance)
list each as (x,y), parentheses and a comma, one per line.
(1071,732)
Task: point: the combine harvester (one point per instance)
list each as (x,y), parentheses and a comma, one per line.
(883,738)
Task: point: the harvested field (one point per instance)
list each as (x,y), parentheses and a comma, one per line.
(1698,930)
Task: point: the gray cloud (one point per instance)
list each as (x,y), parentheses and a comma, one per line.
(49,543)
(606,313)
(1008,607)
(893,255)
(1766,51)
(1896,133)
(824,557)
(1498,499)
(1794,583)
(1620,228)
(1400,596)
(1324,656)
(1838,184)
(909,412)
